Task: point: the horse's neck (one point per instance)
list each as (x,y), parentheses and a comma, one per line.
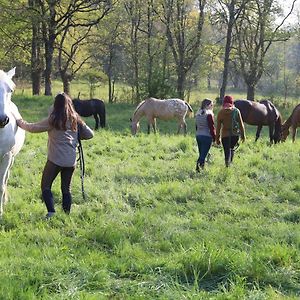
(288,122)
(139,113)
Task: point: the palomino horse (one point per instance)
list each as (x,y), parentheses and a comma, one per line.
(95,107)
(292,121)
(166,109)
(260,114)
(11,136)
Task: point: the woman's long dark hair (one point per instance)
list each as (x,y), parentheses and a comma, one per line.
(204,104)
(64,111)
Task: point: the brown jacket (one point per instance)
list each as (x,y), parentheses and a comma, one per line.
(61,143)
(224,120)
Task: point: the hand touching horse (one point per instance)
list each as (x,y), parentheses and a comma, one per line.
(11,136)
(166,109)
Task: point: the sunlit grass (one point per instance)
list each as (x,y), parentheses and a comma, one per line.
(151,227)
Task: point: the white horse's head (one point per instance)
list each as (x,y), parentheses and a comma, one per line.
(135,126)
(6,88)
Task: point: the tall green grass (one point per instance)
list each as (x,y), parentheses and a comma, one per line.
(151,227)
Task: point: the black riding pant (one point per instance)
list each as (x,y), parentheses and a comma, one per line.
(229,142)
(50,172)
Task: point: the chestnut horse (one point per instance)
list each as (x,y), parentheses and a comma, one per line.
(263,113)
(167,109)
(292,121)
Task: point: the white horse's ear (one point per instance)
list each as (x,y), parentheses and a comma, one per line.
(11,73)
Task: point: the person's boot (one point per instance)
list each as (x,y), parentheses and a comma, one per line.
(197,167)
(48,199)
(66,203)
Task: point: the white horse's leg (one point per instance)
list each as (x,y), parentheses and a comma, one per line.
(182,124)
(6,180)
(4,173)
(154,125)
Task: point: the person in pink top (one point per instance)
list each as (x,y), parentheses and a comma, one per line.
(205,131)
(64,127)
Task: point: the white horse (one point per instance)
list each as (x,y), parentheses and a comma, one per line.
(11,136)
(166,109)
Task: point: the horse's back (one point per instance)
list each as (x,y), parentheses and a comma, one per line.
(166,108)
(253,113)
(86,108)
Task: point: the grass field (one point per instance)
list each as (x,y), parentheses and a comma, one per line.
(151,227)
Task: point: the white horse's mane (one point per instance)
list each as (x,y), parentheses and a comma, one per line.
(4,77)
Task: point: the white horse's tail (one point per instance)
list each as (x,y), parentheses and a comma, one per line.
(190,111)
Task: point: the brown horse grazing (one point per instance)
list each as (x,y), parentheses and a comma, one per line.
(263,113)
(292,121)
(166,109)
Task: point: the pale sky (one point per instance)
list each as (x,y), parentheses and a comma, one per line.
(287,4)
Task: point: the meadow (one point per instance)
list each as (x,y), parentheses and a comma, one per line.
(151,227)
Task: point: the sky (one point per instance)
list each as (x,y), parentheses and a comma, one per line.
(287,4)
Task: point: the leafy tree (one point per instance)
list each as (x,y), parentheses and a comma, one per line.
(184,24)
(256,31)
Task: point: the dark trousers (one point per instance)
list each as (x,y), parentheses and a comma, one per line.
(204,143)
(50,172)
(229,142)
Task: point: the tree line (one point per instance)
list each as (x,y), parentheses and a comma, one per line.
(158,48)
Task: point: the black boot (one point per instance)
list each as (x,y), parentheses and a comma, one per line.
(48,199)
(66,202)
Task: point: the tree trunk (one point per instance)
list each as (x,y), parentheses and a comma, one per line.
(227,50)
(180,82)
(36,69)
(49,33)
(66,84)
(110,89)
(250,92)
(48,70)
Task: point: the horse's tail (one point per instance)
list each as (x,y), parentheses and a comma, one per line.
(278,123)
(190,112)
(103,117)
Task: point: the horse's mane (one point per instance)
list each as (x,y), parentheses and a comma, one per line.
(138,107)
(4,77)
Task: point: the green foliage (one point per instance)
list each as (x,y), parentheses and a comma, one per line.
(153,228)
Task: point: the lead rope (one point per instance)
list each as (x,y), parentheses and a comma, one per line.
(82,166)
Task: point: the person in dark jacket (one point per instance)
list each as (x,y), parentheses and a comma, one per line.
(225,128)
(64,126)
(205,131)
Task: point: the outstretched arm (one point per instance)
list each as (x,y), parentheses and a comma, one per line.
(37,127)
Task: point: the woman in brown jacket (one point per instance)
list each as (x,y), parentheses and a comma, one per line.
(64,126)
(227,119)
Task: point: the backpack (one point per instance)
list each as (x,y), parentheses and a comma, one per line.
(235,124)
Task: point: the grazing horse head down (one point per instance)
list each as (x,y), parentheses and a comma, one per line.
(167,109)
(11,136)
(263,113)
(292,122)
(92,107)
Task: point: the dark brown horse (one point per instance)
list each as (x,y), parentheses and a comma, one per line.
(95,107)
(263,113)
